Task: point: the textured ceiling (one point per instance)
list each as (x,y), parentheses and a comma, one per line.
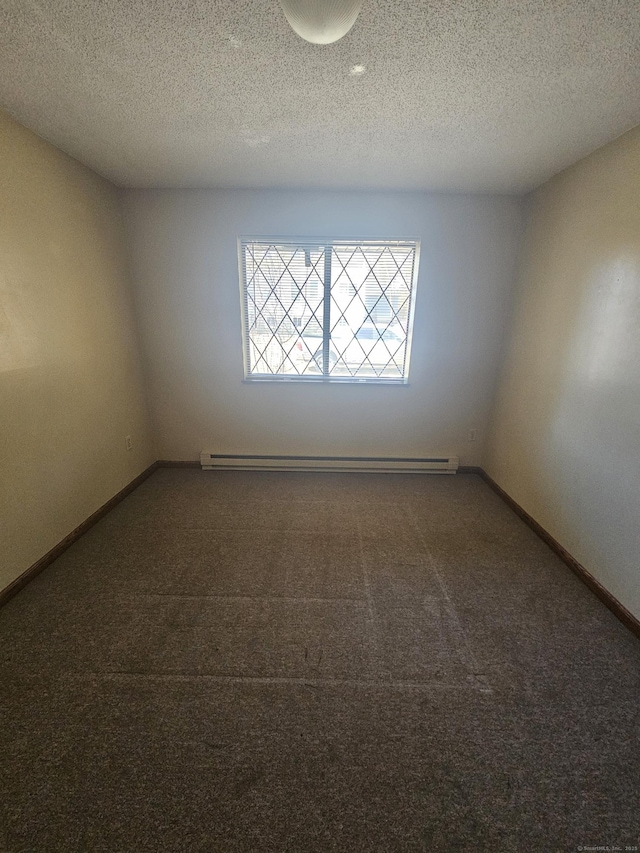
(477,95)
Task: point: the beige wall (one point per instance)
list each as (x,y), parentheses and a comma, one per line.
(566,433)
(70,381)
(184,246)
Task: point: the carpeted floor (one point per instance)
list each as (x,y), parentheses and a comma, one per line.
(315,662)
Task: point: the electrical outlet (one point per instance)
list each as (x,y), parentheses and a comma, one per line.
(472,435)
(128,443)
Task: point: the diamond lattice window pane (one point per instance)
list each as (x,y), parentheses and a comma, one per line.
(328,309)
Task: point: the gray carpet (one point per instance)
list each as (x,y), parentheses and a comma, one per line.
(314,662)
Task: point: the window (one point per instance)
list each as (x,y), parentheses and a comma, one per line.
(327,309)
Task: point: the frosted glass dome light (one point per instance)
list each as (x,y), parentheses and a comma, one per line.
(321,21)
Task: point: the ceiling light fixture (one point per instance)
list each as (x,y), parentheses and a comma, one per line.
(321,21)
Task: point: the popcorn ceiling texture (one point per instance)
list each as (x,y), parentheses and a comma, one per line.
(464,95)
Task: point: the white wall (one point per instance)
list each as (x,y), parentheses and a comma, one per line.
(184,249)
(566,434)
(70,380)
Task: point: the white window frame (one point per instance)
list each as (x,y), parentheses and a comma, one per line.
(315,243)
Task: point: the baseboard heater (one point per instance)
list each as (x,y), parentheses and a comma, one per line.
(429,465)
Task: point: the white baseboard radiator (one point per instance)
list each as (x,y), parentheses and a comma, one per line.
(230,462)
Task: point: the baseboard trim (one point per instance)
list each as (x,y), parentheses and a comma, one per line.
(29,574)
(618,609)
(168,463)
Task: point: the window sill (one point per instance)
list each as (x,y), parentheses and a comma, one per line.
(322,380)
